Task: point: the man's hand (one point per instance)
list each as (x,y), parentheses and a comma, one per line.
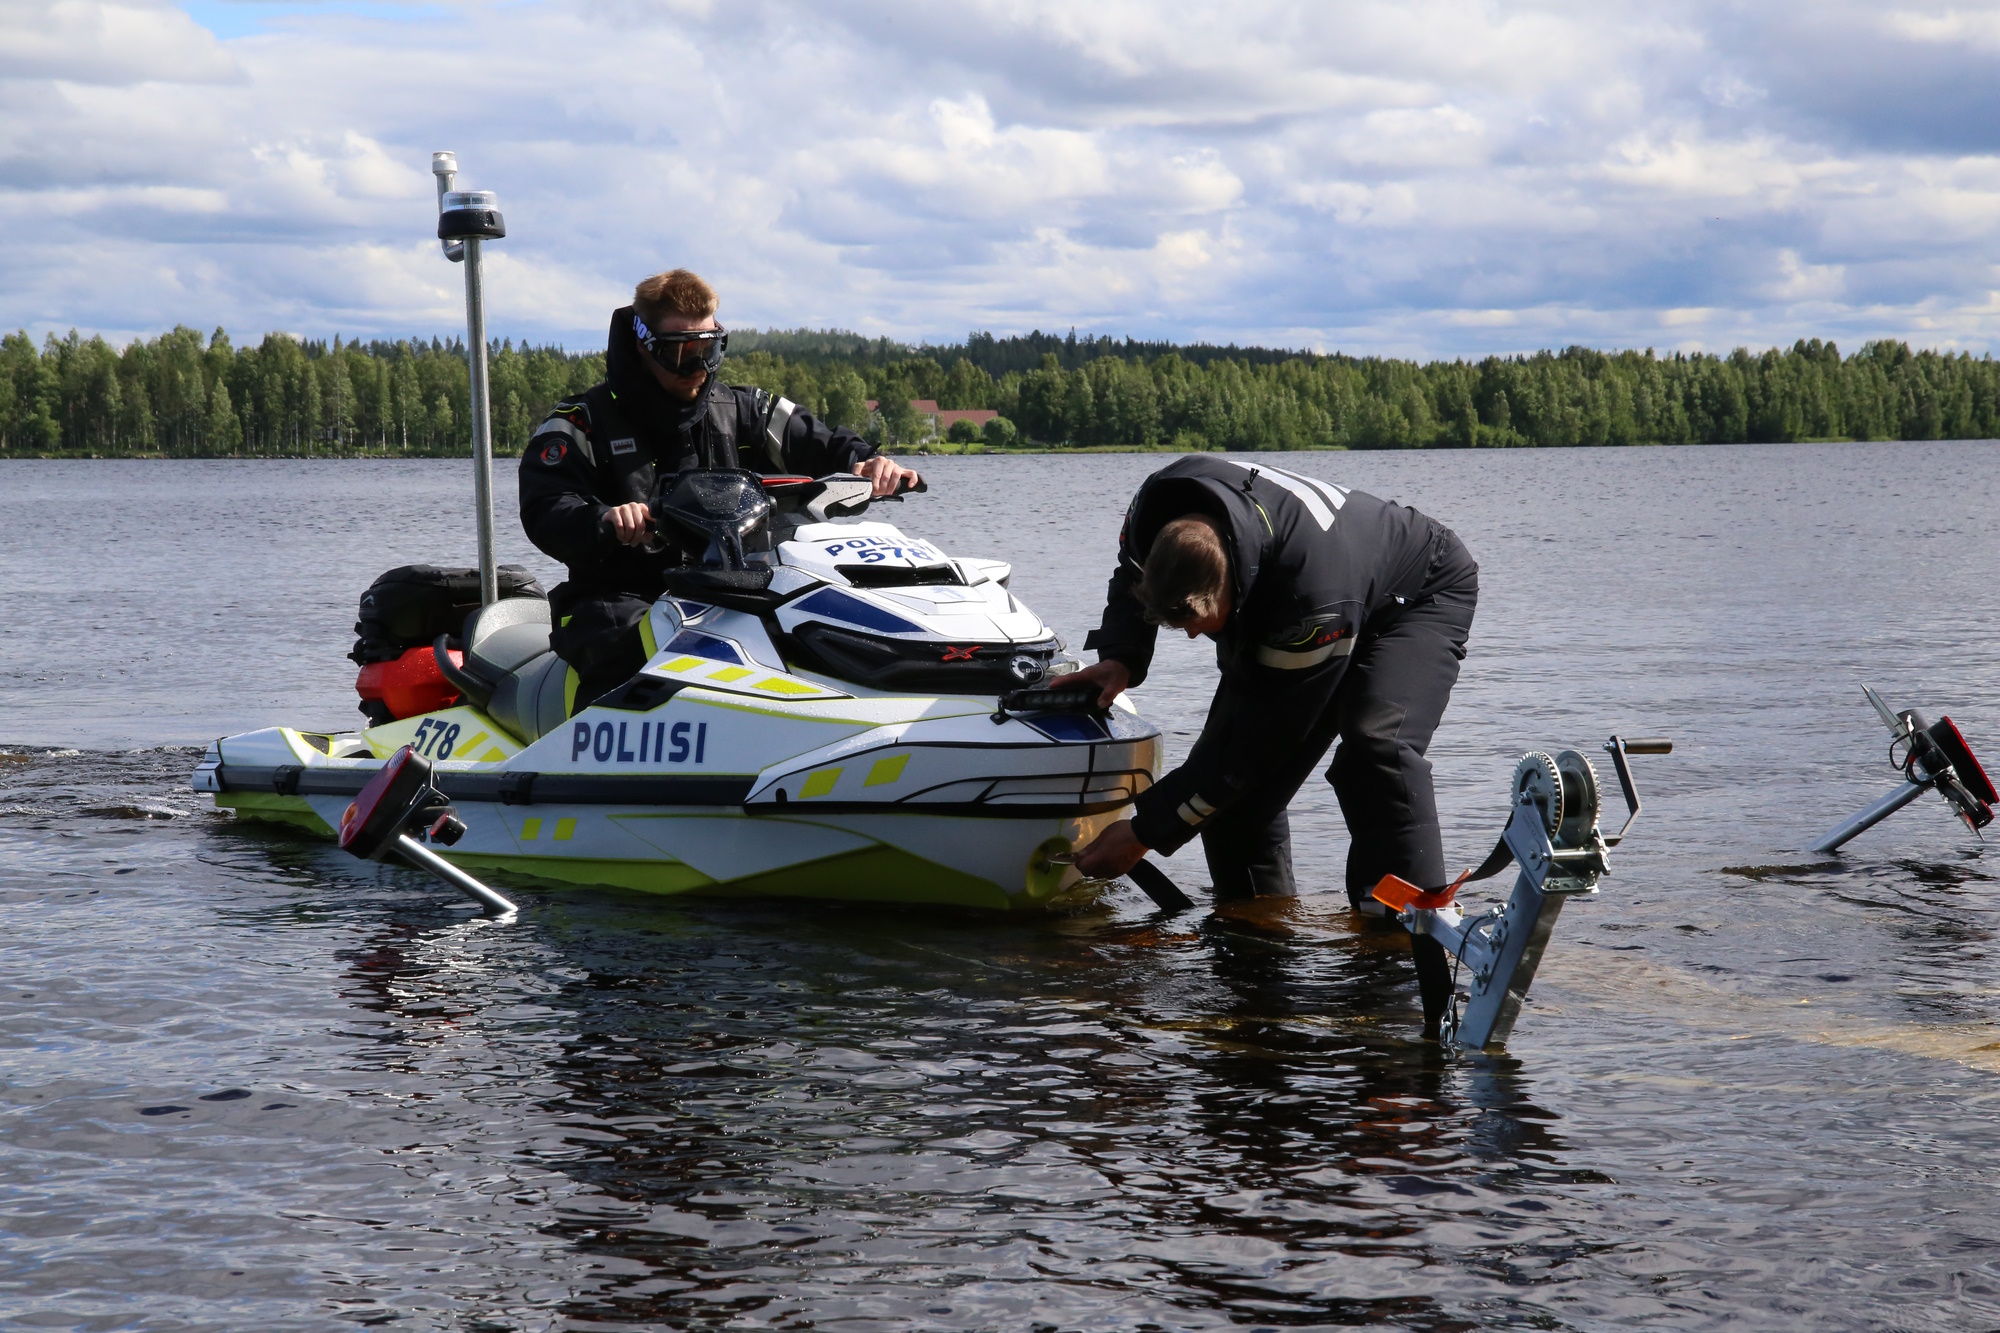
(1115,851)
(1110,678)
(885,473)
(629,523)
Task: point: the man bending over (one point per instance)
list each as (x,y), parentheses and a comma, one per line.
(1334,614)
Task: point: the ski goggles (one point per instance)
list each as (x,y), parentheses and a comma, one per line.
(683,352)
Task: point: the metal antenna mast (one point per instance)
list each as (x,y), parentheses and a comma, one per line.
(465,219)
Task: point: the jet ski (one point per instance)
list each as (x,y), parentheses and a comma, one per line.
(831,709)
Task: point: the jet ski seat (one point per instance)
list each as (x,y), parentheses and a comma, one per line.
(509,671)
(533,700)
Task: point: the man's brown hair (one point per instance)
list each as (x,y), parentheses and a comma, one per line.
(1186,573)
(679,292)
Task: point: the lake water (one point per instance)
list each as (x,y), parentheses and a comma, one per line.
(253,1084)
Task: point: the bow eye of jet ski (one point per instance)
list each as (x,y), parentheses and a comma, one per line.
(829,708)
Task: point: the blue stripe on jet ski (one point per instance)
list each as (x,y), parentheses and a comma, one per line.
(704,645)
(835,603)
(1068,726)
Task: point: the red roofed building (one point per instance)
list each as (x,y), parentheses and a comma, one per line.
(942,419)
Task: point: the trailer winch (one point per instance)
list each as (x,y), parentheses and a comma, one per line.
(1552,835)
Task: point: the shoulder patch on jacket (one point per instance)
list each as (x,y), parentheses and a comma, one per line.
(555,437)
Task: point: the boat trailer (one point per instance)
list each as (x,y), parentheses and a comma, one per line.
(1552,835)
(1933,757)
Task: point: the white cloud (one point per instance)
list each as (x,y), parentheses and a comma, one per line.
(1953,27)
(85,41)
(1434,177)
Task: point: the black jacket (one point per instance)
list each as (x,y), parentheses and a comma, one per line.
(1313,567)
(607,445)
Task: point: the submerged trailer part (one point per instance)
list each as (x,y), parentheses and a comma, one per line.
(1933,756)
(1552,835)
(399,797)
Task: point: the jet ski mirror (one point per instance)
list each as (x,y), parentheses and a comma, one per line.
(400,797)
(1552,835)
(1934,756)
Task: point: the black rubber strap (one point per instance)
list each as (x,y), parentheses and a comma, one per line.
(1496,860)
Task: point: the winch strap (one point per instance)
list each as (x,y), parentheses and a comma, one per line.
(1496,860)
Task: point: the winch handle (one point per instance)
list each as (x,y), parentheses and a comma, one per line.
(1618,747)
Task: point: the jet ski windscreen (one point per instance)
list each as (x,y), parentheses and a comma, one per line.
(719,516)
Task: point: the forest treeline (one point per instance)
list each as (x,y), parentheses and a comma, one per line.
(185,395)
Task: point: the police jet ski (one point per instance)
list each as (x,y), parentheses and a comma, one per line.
(830,709)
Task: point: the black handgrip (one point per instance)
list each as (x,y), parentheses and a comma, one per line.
(1050,698)
(476,691)
(917,487)
(1648,745)
(1153,882)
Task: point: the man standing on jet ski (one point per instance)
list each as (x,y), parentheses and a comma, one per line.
(1335,615)
(589,472)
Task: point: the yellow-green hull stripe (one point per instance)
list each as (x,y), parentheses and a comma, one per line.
(878,874)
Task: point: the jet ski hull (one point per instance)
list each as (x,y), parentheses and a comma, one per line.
(800,740)
(866,818)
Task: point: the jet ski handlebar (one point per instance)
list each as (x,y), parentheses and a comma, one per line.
(840,495)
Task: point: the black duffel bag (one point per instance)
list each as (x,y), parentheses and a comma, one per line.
(409,606)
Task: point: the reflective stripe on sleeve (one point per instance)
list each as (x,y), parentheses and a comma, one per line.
(1311,657)
(775,423)
(561,426)
(1193,810)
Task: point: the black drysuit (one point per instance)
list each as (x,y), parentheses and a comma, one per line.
(608,446)
(1348,618)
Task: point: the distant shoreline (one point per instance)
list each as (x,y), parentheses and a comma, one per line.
(977,450)
(182,395)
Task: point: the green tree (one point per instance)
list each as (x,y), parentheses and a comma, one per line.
(224,430)
(902,426)
(846,399)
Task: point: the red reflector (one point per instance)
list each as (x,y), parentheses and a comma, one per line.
(787,481)
(1398,894)
(378,811)
(1945,733)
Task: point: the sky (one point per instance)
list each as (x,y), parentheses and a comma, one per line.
(1422,178)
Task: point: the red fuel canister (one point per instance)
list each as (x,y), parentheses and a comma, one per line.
(410,685)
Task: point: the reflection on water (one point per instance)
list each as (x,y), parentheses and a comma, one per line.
(254,1084)
(1032,1122)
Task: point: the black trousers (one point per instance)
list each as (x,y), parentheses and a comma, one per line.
(1384,713)
(597,632)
